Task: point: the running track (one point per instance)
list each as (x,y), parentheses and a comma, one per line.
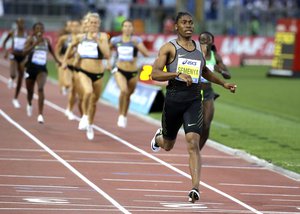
(53,168)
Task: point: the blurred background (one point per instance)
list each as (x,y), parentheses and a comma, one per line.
(233,17)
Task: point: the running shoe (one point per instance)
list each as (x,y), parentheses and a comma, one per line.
(40,119)
(90,132)
(84,122)
(69,114)
(29,110)
(16,103)
(64,91)
(194,195)
(122,121)
(154,146)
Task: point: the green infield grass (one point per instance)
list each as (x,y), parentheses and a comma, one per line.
(261,118)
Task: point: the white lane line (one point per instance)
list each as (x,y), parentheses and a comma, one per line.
(166,196)
(258,185)
(266,194)
(152,190)
(35,191)
(56,204)
(115,153)
(285,200)
(33,176)
(66,164)
(144,181)
(32,196)
(127,163)
(37,186)
(111,135)
(57,209)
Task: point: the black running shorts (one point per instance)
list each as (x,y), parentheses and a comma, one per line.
(175,114)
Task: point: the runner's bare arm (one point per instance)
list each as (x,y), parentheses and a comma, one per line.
(69,50)
(142,48)
(221,67)
(30,44)
(59,44)
(210,76)
(52,52)
(167,52)
(104,45)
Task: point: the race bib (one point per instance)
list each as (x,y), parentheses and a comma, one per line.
(88,49)
(125,53)
(190,67)
(19,43)
(39,57)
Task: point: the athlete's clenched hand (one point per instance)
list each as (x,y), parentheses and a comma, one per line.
(186,78)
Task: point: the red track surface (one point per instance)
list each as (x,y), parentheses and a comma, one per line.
(53,168)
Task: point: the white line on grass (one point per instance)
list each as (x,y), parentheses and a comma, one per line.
(62,161)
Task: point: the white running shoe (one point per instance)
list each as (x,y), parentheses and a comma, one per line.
(154,146)
(84,122)
(29,110)
(64,91)
(40,119)
(90,132)
(16,103)
(122,121)
(69,114)
(10,83)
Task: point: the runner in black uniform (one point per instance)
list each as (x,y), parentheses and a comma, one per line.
(16,56)
(215,63)
(37,47)
(185,65)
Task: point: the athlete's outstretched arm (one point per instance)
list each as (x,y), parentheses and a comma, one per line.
(210,76)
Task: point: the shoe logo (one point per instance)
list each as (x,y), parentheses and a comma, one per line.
(192,124)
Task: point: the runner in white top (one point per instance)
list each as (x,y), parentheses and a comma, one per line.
(16,57)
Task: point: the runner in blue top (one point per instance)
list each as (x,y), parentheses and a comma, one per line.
(215,63)
(185,65)
(126,71)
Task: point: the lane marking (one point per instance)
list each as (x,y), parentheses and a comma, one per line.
(285,200)
(56,107)
(143,181)
(266,194)
(46,201)
(66,164)
(129,163)
(34,191)
(258,185)
(37,186)
(46,197)
(152,190)
(117,153)
(31,176)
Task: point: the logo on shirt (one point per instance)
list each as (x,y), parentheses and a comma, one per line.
(189,62)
